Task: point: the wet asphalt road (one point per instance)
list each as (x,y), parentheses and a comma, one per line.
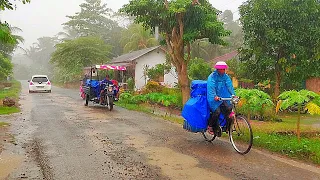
(57,137)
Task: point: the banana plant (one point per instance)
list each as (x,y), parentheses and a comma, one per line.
(303,99)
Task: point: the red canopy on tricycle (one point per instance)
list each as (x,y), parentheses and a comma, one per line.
(107,67)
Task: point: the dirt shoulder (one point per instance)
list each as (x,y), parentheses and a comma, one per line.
(4,137)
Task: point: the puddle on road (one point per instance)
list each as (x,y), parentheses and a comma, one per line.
(8,163)
(174,165)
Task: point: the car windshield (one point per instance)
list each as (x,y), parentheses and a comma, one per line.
(40,79)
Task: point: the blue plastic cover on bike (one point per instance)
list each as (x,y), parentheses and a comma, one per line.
(196,110)
(92,83)
(198,88)
(95,84)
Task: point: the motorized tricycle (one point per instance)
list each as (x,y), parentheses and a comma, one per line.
(81,89)
(97,92)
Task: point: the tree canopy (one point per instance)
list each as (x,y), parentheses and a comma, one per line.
(94,19)
(8,43)
(5,67)
(199,69)
(72,55)
(40,53)
(137,37)
(181,22)
(280,39)
(9,4)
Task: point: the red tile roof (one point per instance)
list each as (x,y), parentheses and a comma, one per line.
(225,57)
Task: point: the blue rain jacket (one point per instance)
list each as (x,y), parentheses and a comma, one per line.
(218,85)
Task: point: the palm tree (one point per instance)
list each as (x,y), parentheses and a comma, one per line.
(8,41)
(6,35)
(136,37)
(68,34)
(199,49)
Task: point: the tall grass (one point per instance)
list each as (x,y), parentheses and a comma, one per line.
(11,92)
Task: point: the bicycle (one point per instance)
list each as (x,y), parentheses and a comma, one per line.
(238,129)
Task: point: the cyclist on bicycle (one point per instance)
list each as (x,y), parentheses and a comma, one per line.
(219,85)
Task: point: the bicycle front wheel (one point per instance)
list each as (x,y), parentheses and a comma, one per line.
(240,135)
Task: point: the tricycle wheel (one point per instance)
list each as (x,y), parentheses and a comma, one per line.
(110,103)
(87,100)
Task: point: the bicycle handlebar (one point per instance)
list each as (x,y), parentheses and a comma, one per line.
(233,99)
(225,99)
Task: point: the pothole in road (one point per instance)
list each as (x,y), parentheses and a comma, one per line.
(121,161)
(174,165)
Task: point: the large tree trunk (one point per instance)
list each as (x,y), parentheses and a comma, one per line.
(277,85)
(182,69)
(278,75)
(175,45)
(184,82)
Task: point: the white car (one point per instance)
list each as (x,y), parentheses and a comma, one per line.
(39,83)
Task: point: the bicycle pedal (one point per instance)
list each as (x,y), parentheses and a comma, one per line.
(219,132)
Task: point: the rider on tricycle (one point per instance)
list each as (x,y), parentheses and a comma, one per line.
(101,92)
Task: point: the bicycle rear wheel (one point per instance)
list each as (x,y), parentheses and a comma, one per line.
(240,135)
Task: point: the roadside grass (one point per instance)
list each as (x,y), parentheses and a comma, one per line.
(279,137)
(149,110)
(307,149)
(12,92)
(134,107)
(8,110)
(2,124)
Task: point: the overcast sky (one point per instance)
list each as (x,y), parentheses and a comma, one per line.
(44,17)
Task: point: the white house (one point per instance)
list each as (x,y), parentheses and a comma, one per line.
(137,60)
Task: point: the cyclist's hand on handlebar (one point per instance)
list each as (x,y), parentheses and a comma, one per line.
(217,98)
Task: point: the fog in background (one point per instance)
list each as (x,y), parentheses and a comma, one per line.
(44,18)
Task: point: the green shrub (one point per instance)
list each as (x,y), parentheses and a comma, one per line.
(137,99)
(153,98)
(125,97)
(153,86)
(130,82)
(199,69)
(171,91)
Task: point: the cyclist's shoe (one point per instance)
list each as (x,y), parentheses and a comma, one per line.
(210,130)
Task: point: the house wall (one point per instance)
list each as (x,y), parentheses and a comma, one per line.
(313,84)
(171,78)
(152,59)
